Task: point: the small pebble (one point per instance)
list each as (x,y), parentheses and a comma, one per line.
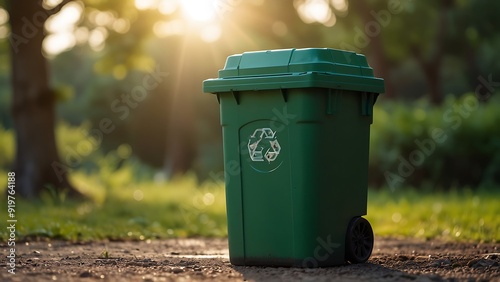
(177,270)
(491,256)
(481,263)
(403,258)
(85,274)
(472,262)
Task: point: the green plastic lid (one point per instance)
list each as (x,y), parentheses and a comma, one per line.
(295,68)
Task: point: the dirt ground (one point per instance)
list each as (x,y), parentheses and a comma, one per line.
(207,259)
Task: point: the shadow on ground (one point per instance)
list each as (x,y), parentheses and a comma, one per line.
(357,272)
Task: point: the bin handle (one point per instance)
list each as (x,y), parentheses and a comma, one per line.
(367,101)
(284,93)
(236,95)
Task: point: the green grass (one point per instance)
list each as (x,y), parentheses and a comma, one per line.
(127,210)
(123,209)
(462,215)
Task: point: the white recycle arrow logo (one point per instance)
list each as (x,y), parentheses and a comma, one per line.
(263,145)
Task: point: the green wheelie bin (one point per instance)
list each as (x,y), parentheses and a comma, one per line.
(296,130)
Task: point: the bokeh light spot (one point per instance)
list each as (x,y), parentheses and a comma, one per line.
(138,195)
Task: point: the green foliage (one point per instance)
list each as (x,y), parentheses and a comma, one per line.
(420,145)
(6,147)
(105,254)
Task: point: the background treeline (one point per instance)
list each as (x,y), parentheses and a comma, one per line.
(434,56)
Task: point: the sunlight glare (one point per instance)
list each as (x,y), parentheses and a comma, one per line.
(339,5)
(258,2)
(49,4)
(82,34)
(164,29)
(4,32)
(104,18)
(4,16)
(208,199)
(97,38)
(54,44)
(167,7)
(145,4)
(66,19)
(121,25)
(61,27)
(314,11)
(138,195)
(280,28)
(211,33)
(198,10)
(332,21)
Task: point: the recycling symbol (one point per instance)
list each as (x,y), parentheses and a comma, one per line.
(263,145)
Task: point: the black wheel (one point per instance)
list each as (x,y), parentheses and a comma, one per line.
(359,240)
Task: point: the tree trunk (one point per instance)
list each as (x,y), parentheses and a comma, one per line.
(432,75)
(377,55)
(432,66)
(33,106)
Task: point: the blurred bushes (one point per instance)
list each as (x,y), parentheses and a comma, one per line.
(6,147)
(420,145)
(81,149)
(413,144)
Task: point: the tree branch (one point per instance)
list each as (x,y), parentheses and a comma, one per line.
(58,8)
(441,34)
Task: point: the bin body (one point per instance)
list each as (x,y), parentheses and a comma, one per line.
(296,127)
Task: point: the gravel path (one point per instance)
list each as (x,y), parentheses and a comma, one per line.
(207,259)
